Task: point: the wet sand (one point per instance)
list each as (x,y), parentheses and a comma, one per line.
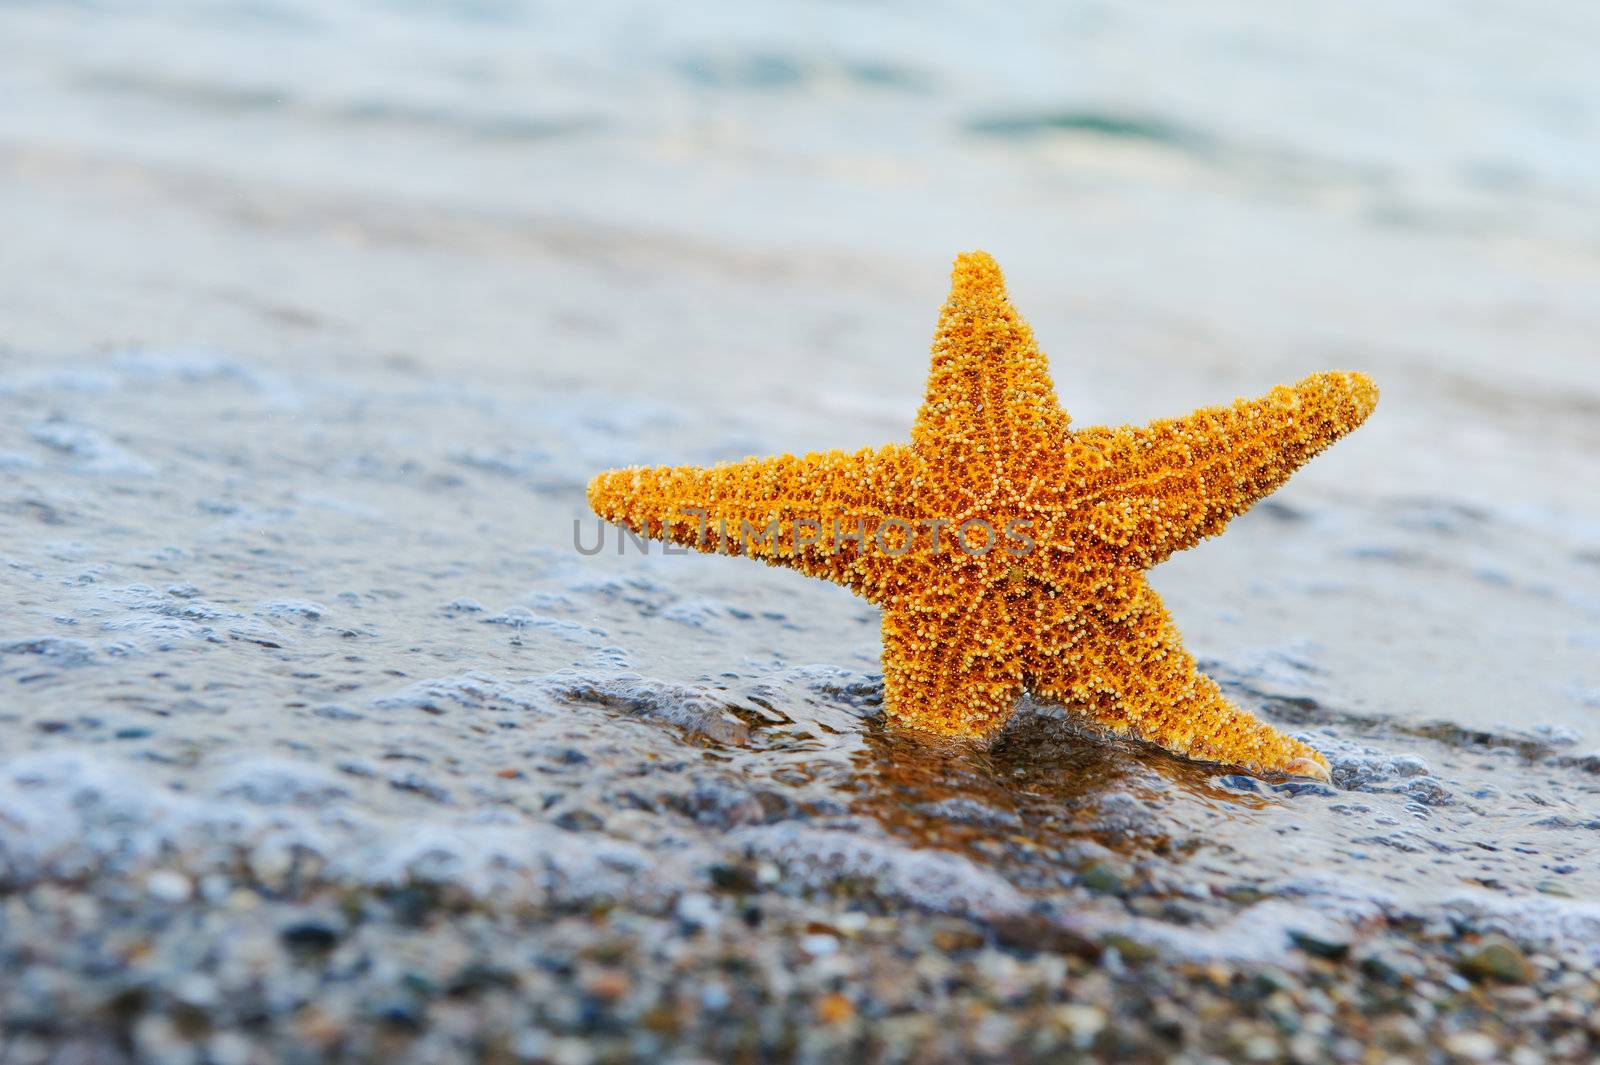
(322,740)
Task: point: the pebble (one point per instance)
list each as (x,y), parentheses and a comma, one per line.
(1083,1022)
(819,944)
(835,1009)
(580,821)
(609,985)
(1473,1046)
(1320,946)
(698,912)
(1496,958)
(168,886)
(1102,879)
(714,996)
(310,934)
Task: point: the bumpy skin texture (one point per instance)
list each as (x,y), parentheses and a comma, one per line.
(1058,606)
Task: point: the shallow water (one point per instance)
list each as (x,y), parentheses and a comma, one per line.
(291,576)
(340,630)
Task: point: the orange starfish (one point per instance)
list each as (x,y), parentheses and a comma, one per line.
(1006,550)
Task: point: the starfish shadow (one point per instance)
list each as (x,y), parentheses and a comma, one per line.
(1048,789)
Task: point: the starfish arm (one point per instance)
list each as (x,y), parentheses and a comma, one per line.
(990,408)
(819,514)
(1126,667)
(952,668)
(1190,476)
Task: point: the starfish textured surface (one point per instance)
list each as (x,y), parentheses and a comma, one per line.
(1008,550)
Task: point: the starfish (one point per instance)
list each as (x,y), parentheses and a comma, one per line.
(1007,550)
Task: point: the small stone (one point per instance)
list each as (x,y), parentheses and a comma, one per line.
(852,923)
(195,990)
(531,1044)
(229,1048)
(400,1013)
(1128,949)
(1473,1046)
(1296,788)
(317,1027)
(1399,1032)
(168,886)
(952,937)
(1391,969)
(418,784)
(739,879)
(1082,1022)
(1037,932)
(1269,981)
(661,1020)
(609,985)
(313,934)
(1320,946)
(835,1009)
(819,944)
(581,821)
(1496,958)
(570,1050)
(697,911)
(478,976)
(714,996)
(1260,1048)
(1305,1049)
(1101,879)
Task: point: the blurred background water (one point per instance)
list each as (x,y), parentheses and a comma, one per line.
(1183,163)
(315,318)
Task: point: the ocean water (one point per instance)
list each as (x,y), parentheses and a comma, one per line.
(315,319)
